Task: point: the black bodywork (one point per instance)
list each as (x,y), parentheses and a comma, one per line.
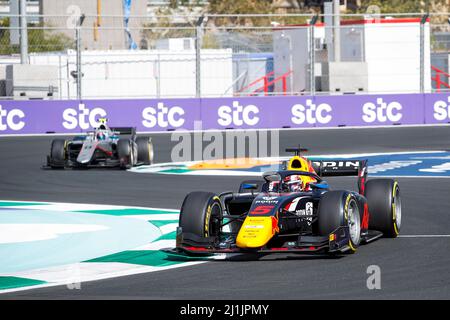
(297,226)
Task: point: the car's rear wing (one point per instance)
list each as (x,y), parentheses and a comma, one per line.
(338,167)
(124,130)
(342,167)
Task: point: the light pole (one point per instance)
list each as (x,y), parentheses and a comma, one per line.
(337,31)
(79,74)
(312,57)
(23,32)
(198,46)
(423,21)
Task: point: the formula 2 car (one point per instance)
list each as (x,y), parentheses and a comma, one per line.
(291,211)
(103,147)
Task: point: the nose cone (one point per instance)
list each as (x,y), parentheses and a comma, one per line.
(255,232)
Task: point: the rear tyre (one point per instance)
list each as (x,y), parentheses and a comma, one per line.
(58,153)
(201,214)
(259,184)
(385,206)
(125,153)
(144,150)
(337,209)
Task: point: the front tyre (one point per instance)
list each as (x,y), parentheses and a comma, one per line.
(58,153)
(340,209)
(201,214)
(385,206)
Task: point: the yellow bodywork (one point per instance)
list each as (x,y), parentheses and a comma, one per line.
(256,232)
(301,164)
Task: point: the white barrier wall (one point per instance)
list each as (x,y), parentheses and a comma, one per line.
(390,47)
(142,73)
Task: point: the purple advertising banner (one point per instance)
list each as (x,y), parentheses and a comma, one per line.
(437,108)
(147,115)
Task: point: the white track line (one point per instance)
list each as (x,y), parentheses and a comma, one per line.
(154,217)
(133,270)
(157,245)
(168,228)
(425,236)
(57,206)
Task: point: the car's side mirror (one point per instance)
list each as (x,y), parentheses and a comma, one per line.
(250,186)
(272,177)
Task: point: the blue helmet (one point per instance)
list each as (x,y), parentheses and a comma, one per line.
(101,136)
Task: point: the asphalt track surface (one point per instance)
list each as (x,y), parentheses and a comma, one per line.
(411,268)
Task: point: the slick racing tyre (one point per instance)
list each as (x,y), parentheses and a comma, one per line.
(144,150)
(126,153)
(258,183)
(58,154)
(385,206)
(337,209)
(201,214)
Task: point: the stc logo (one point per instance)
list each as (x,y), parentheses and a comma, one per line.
(238,115)
(442,110)
(163,116)
(311,113)
(83,117)
(11,119)
(382,111)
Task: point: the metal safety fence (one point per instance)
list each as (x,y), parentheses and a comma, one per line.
(100,57)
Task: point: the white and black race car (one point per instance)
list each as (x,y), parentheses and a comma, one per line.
(103,147)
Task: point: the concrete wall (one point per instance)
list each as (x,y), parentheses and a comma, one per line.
(32,81)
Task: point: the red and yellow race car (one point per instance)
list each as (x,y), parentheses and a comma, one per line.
(291,211)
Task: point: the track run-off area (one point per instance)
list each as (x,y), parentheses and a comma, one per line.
(96,234)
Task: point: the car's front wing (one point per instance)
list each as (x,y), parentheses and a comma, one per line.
(337,241)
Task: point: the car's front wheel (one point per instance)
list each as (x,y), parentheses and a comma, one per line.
(340,209)
(201,214)
(58,154)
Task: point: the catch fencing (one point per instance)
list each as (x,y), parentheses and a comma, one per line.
(224,56)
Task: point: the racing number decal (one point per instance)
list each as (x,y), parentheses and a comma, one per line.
(262,210)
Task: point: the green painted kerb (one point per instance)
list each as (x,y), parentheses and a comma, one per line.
(141,257)
(175,171)
(15,282)
(17,204)
(161,223)
(168,236)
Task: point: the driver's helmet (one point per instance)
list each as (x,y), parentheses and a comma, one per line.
(294,183)
(101,135)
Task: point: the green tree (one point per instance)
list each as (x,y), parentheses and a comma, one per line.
(39,40)
(403,6)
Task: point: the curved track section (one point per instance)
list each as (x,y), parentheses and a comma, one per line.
(413,266)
